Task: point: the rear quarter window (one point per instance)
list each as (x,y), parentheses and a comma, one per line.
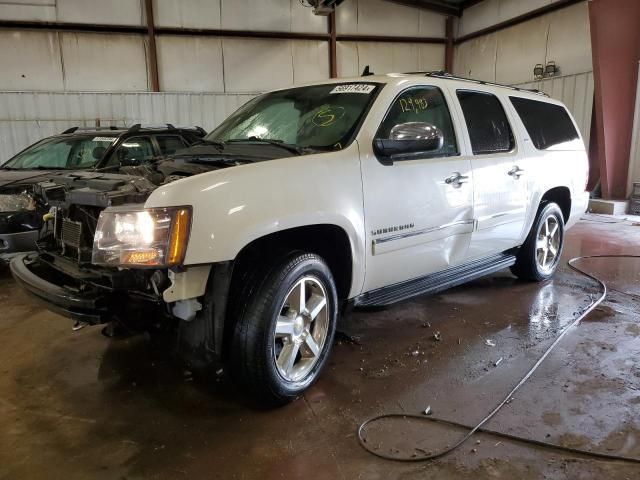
(547,124)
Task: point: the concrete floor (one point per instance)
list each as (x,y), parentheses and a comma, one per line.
(77,405)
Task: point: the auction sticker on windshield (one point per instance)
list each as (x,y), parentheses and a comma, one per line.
(104,139)
(354,88)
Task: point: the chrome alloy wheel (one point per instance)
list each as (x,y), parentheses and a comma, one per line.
(548,244)
(301,329)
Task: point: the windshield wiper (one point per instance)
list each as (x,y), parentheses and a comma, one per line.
(219,161)
(270,141)
(42,167)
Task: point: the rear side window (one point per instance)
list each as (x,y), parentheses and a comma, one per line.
(169,144)
(487,123)
(134,151)
(547,124)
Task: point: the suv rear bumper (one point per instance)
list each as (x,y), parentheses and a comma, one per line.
(88,307)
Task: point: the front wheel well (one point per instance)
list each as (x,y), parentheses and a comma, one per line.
(328,241)
(562,197)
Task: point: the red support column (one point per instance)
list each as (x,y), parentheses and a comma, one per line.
(615,45)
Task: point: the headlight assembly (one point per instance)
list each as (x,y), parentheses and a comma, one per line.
(145,237)
(17,203)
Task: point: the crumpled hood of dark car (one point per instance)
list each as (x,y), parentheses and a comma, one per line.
(16,178)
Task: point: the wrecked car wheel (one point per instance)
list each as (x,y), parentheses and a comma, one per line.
(285,330)
(538,258)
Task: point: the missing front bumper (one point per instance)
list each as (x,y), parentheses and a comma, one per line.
(59,295)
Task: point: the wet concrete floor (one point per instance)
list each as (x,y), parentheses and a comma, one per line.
(75,405)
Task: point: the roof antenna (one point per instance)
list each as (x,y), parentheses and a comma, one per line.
(366,72)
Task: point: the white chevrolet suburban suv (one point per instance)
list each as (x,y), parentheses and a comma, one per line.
(350,192)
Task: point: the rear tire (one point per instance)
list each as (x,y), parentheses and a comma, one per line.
(540,254)
(285,328)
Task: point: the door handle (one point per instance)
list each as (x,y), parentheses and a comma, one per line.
(456,180)
(515,172)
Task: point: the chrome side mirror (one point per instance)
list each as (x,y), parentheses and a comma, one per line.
(408,140)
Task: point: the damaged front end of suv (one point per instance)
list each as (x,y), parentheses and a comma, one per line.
(62,273)
(102,258)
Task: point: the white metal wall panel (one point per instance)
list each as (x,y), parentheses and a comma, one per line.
(478,17)
(199,60)
(187,13)
(379,17)
(576,92)
(347,59)
(508,9)
(432,25)
(430,57)
(509,55)
(634,154)
(477,58)
(519,49)
(104,62)
(26,117)
(270,15)
(302,21)
(491,12)
(30,60)
(569,43)
(105,12)
(310,61)
(28,10)
(383,57)
(253,64)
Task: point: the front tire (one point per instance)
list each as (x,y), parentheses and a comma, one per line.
(539,256)
(285,328)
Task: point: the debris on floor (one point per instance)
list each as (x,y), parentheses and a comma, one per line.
(342,337)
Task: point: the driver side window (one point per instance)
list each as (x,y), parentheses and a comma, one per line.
(424,105)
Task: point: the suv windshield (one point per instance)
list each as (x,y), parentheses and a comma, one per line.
(320,116)
(63,153)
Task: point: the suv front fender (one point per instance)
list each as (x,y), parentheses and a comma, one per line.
(232,207)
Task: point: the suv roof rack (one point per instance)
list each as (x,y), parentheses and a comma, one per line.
(447,75)
(138,126)
(75,129)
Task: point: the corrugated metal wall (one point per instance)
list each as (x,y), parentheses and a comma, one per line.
(80,61)
(576,92)
(26,117)
(65,61)
(509,55)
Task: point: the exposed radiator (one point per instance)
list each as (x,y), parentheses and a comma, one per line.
(71,233)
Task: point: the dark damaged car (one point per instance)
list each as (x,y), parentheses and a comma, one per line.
(95,150)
